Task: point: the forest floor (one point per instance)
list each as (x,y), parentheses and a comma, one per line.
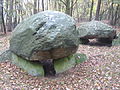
(100,72)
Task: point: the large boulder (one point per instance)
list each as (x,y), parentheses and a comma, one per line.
(96,29)
(45,35)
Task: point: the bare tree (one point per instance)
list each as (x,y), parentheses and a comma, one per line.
(2,16)
(10,16)
(116,14)
(35,7)
(92,3)
(38,5)
(43,7)
(98,10)
(69,4)
(112,13)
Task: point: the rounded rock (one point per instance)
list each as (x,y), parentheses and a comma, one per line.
(96,29)
(45,35)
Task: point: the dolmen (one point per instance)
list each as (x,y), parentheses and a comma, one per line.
(96,30)
(48,35)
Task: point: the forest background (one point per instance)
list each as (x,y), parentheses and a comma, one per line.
(12,12)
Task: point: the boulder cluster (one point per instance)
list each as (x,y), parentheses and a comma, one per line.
(46,43)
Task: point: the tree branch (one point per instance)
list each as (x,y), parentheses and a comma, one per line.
(63,2)
(74,4)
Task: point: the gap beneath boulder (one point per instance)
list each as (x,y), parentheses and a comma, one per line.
(48,67)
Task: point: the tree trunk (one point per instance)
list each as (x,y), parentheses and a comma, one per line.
(15,18)
(43,7)
(71,9)
(47,4)
(55,5)
(35,7)
(59,6)
(116,13)
(109,10)
(77,6)
(2,16)
(38,5)
(10,16)
(112,14)
(7,12)
(98,10)
(68,11)
(1,12)
(91,10)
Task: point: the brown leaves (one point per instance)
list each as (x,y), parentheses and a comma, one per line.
(100,71)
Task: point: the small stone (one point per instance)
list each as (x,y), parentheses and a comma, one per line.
(116,42)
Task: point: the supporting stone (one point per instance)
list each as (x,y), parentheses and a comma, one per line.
(32,68)
(64,64)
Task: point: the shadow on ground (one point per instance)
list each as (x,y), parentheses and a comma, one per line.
(94,42)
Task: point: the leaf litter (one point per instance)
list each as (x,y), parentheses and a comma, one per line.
(100,72)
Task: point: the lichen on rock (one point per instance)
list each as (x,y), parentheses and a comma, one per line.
(44,32)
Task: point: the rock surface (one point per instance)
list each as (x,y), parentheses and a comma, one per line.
(116,41)
(96,29)
(46,35)
(32,68)
(35,68)
(5,56)
(80,57)
(64,64)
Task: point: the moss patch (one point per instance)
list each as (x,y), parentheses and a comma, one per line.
(64,64)
(116,42)
(80,58)
(32,68)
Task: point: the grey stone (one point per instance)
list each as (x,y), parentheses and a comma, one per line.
(116,42)
(5,56)
(32,68)
(96,29)
(80,57)
(63,64)
(45,35)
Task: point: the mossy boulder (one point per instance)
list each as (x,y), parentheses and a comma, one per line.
(97,30)
(45,35)
(32,68)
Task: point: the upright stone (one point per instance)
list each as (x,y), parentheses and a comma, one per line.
(63,64)
(32,68)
